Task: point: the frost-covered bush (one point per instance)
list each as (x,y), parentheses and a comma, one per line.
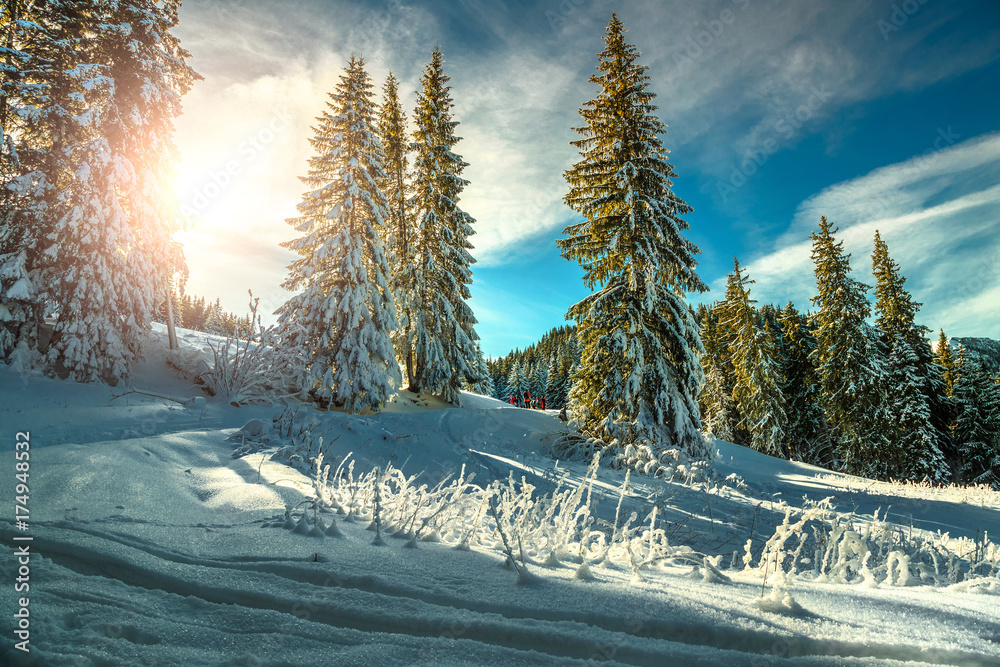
(824,546)
(557,529)
(671,463)
(247,367)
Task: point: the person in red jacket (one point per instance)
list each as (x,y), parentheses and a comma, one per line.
(541,402)
(527,399)
(513,401)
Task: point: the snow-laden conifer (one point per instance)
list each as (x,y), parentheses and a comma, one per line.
(442,323)
(39,105)
(640,373)
(808,436)
(343,314)
(757,369)
(849,357)
(917,408)
(977,425)
(913,440)
(719,413)
(391,126)
(482,381)
(110,245)
(517,381)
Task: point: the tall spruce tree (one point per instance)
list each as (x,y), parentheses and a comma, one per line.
(807,432)
(757,366)
(442,323)
(640,374)
(38,101)
(391,125)
(113,87)
(917,412)
(913,440)
(849,358)
(977,425)
(517,380)
(945,360)
(344,313)
(718,412)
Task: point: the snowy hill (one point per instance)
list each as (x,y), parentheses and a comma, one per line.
(201,534)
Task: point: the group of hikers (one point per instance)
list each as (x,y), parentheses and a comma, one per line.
(526,401)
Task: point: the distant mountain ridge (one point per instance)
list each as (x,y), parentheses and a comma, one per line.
(985,350)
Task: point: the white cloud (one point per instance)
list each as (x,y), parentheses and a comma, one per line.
(516,97)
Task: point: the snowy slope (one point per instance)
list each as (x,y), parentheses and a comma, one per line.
(153,544)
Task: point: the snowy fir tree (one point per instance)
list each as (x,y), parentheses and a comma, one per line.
(977,425)
(18,304)
(849,358)
(757,369)
(913,440)
(640,374)
(482,381)
(715,402)
(344,313)
(916,388)
(517,381)
(95,97)
(945,359)
(807,433)
(39,99)
(391,126)
(442,323)
(538,378)
(555,382)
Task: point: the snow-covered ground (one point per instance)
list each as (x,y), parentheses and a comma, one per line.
(160,538)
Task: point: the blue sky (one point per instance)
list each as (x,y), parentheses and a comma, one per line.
(880,115)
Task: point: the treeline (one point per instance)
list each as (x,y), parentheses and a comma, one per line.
(544,369)
(834,389)
(198,314)
(827,387)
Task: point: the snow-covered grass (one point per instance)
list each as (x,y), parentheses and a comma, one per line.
(167,534)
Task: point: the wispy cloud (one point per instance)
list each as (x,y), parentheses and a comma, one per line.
(940,215)
(518,81)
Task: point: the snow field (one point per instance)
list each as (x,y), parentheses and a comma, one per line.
(166,534)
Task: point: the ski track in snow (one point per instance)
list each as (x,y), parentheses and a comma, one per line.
(153,545)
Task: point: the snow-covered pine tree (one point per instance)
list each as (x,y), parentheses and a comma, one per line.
(344,313)
(807,432)
(640,375)
(391,126)
(849,358)
(113,236)
(442,323)
(945,359)
(482,382)
(917,409)
(38,104)
(977,425)
(553,382)
(538,377)
(499,380)
(18,302)
(718,412)
(913,440)
(757,369)
(517,381)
